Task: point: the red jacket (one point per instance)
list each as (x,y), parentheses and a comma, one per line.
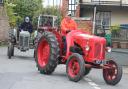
(67,25)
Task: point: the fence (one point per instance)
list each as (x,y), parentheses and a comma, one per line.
(120,39)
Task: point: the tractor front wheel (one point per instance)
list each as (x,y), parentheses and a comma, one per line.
(113,74)
(47,53)
(75,67)
(10,50)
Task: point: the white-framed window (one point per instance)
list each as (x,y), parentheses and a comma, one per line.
(72,6)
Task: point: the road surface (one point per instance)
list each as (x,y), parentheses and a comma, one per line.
(20,72)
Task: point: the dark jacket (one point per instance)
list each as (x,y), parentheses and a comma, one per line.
(26,27)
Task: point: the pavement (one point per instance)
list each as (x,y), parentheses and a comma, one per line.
(119,50)
(120,55)
(125,69)
(20,72)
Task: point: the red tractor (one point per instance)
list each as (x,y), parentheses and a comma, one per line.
(83,52)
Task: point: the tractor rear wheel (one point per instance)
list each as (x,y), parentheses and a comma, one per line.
(75,67)
(113,74)
(47,53)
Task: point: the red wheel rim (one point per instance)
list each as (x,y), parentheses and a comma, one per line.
(73,67)
(111,72)
(43,53)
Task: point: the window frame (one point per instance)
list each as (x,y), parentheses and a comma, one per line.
(72,7)
(102,17)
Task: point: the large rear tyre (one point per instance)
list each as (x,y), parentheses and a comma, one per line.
(75,67)
(113,74)
(10,50)
(47,53)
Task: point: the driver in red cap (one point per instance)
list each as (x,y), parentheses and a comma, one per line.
(68,24)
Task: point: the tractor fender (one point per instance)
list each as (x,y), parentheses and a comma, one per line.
(59,39)
(75,37)
(70,42)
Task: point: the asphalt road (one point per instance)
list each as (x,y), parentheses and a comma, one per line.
(20,72)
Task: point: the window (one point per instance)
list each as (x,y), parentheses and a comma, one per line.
(103,20)
(72,6)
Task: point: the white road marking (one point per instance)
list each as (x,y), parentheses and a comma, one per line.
(93,84)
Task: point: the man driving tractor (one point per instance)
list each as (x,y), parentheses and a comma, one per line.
(26,25)
(68,24)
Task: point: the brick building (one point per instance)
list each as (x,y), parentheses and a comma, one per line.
(73,6)
(108,13)
(4,25)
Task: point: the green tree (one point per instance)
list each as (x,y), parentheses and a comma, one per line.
(10,12)
(18,9)
(53,10)
(28,7)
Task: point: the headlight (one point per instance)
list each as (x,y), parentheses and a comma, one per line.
(87,48)
(108,49)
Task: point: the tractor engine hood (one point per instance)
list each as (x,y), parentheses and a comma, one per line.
(97,45)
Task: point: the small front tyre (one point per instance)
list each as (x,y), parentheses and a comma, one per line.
(10,50)
(113,74)
(75,67)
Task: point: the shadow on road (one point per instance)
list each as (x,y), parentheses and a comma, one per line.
(20,57)
(59,75)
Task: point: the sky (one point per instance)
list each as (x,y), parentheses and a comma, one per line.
(50,2)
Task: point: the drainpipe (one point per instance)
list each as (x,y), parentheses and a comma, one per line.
(94,20)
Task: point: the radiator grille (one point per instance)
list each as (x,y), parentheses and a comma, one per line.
(26,41)
(21,41)
(97,50)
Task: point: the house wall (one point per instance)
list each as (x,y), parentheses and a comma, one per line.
(64,9)
(82,24)
(118,15)
(100,0)
(86,12)
(123,1)
(4,25)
